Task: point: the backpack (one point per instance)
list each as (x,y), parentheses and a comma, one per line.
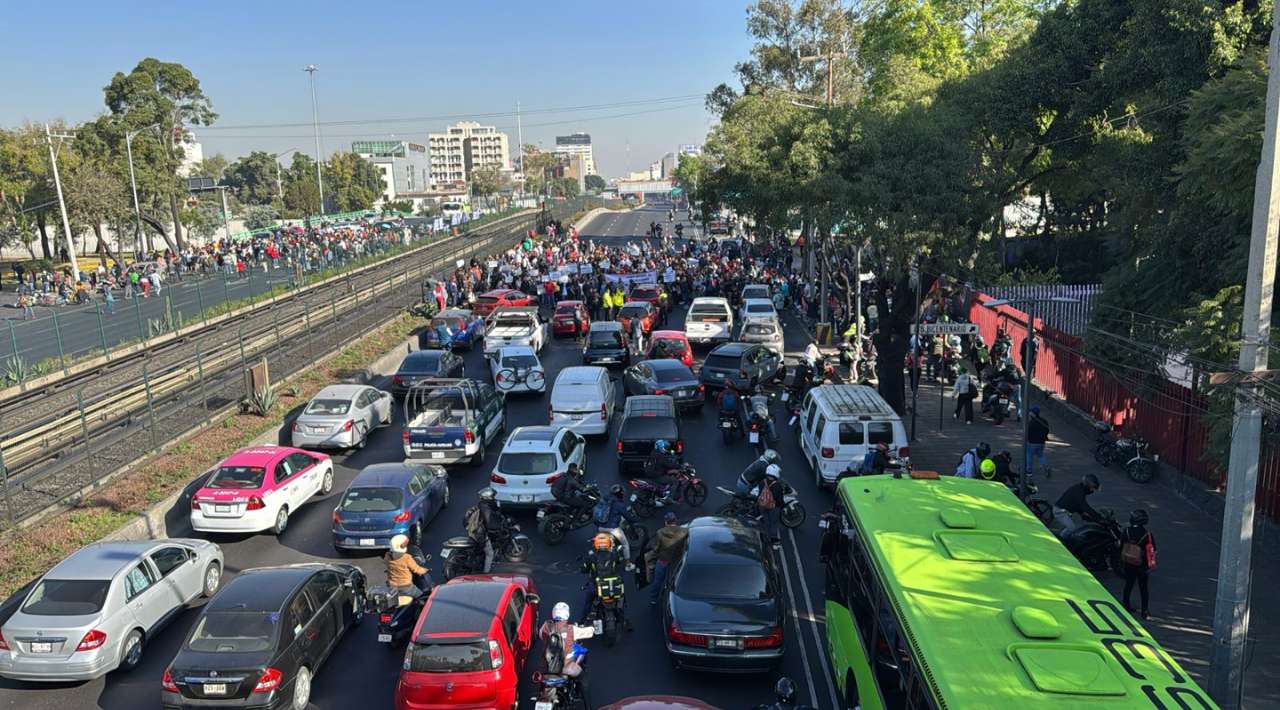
(973,388)
(1134,554)
(868,461)
(473,521)
(765,499)
(600,511)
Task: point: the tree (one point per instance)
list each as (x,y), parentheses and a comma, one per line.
(594,183)
(204,220)
(564,187)
(253,178)
(301,194)
(98,195)
(403,206)
(485,182)
(26,187)
(212,166)
(537,166)
(351,182)
(260,217)
(167,95)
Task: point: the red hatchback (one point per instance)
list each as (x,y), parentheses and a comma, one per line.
(470,644)
(647,314)
(497,298)
(567,317)
(676,344)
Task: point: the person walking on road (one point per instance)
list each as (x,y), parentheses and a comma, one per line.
(965,390)
(1037,436)
(669,543)
(1138,557)
(109,297)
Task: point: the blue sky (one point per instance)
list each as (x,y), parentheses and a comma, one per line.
(390,59)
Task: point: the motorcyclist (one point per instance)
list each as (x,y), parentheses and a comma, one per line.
(615,511)
(604,563)
(777,489)
(571,490)
(759,409)
(729,402)
(987,470)
(1076,500)
(660,465)
(972,460)
(558,636)
(873,463)
(785,692)
(402,568)
(1004,469)
(493,524)
(753,474)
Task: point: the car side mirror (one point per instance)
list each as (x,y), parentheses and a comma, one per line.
(533,599)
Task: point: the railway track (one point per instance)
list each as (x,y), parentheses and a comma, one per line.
(62,439)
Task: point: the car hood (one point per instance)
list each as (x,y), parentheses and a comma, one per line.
(724,616)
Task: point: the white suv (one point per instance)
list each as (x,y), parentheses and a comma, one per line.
(709,320)
(531,460)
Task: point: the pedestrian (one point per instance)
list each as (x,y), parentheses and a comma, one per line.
(1138,557)
(108,297)
(913,368)
(1037,436)
(28,311)
(669,544)
(637,334)
(965,390)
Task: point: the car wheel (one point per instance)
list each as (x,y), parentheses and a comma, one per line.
(282,521)
(362,436)
(131,651)
(212,578)
(478,459)
(326,483)
(301,690)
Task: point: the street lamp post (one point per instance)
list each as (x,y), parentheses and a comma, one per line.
(133,186)
(279,181)
(315,122)
(62,203)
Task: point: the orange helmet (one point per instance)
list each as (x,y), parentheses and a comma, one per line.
(602,541)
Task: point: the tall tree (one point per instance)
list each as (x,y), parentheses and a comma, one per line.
(594,183)
(485,182)
(301,194)
(26,187)
(537,167)
(253,178)
(351,182)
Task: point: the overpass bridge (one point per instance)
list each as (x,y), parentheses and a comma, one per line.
(644,187)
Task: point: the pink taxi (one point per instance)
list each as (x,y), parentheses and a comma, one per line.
(258,488)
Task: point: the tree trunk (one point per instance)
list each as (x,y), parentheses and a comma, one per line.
(177,243)
(892,341)
(44,236)
(102,244)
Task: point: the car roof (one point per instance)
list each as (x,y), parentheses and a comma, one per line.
(256,455)
(463,605)
(453,313)
(749,301)
(580,373)
(496,292)
(667,363)
(603,325)
(765,286)
(709,300)
(638,304)
(101,560)
(567,302)
(658,702)
(340,391)
(731,349)
(384,474)
(263,589)
(722,541)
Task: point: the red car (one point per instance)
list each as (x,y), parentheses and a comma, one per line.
(676,343)
(649,293)
(643,310)
(470,644)
(567,317)
(486,303)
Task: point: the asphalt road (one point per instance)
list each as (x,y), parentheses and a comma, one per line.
(360,673)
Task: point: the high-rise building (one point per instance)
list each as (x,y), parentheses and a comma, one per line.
(577,144)
(464,147)
(405,166)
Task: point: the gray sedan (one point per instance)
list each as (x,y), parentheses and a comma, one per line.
(90,614)
(341,417)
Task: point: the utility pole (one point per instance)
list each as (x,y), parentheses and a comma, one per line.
(62,204)
(520,137)
(1231,608)
(857,316)
(226,223)
(133,185)
(315,122)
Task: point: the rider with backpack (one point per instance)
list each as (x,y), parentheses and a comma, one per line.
(769,501)
(484,522)
(608,515)
(1138,557)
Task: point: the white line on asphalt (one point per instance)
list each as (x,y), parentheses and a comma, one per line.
(808,603)
(804,653)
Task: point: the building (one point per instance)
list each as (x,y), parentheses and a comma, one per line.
(691,149)
(192,156)
(464,147)
(405,166)
(573,165)
(667,165)
(578,144)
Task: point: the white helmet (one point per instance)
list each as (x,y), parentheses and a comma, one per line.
(773,471)
(400,543)
(560,612)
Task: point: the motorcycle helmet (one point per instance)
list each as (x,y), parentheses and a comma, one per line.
(984,450)
(616,490)
(661,446)
(773,470)
(602,541)
(987,469)
(771,456)
(560,612)
(1139,517)
(785,690)
(400,543)
(576,470)
(1091,482)
(488,493)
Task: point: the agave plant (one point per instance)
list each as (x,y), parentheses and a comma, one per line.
(16,370)
(263,400)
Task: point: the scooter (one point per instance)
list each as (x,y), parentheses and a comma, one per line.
(462,555)
(397,613)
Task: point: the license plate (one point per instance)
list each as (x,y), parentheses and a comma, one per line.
(384,638)
(437,454)
(317,429)
(1004,400)
(215,688)
(444,554)
(822,524)
(754,437)
(718,375)
(42,647)
(222,509)
(576,417)
(524,499)
(366,542)
(542,514)
(724,643)
(543,705)
(726,425)
(598,625)
(786,396)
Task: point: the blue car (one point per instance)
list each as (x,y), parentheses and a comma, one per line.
(388,499)
(454,328)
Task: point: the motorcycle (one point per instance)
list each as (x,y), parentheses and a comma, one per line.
(462,555)
(557,689)
(999,405)
(1095,543)
(397,613)
(1110,447)
(605,614)
(730,426)
(687,487)
(759,432)
(792,512)
(556,519)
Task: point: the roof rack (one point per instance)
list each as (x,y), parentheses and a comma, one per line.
(855,400)
(649,403)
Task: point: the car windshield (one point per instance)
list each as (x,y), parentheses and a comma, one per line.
(644,293)
(672,345)
(760,329)
(527,463)
(708,315)
(631,312)
(67,597)
(454,323)
(722,582)
(566,310)
(606,338)
(234,632)
(755,292)
(519,361)
(486,299)
(449,657)
(759,308)
(237,477)
(328,406)
(724,362)
(672,374)
(372,499)
(428,361)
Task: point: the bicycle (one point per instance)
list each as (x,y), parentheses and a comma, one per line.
(508,378)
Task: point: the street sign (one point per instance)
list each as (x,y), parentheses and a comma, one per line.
(947,329)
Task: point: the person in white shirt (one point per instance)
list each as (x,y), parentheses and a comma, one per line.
(965,390)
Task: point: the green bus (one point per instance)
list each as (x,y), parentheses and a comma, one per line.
(947,593)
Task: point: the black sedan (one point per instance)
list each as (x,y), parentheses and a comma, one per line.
(261,641)
(665,376)
(722,605)
(424,364)
(607,344)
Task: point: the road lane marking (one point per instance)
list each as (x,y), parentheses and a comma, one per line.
(808,603)
(804,652)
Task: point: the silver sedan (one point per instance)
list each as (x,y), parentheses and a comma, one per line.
(341,417)
(90,614)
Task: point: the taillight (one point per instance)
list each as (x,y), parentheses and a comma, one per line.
(659,391)
(677,636)
(470,436)
(297,426)
(702,388)
(93,639)
(384,618)
(166,682)
(269,681)
(255,503)
(755,426)
(495,478)
(679,446)
(404,436)
(904,452)
(828,452)
(619,447)
(346,426)
(395,379)
(604,413)
(552,478)
(773,640)
(495,654)
(402,517)
(195,503)
(4,645)
(337,517)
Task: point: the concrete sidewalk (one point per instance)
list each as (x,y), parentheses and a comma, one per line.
(1182,586)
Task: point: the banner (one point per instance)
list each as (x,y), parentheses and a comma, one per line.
(669,276)
(645,277)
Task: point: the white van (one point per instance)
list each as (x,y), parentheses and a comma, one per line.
(582,399)
(710,320)
(838,423)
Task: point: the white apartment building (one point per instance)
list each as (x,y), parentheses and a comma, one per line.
(462,148)
(404,165)
(577,144)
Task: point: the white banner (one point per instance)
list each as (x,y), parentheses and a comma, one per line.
(669,276)
(644,277)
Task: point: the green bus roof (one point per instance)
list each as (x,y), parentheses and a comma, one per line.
(998,610)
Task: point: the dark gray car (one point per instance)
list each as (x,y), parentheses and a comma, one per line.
(665,376)
(744,365)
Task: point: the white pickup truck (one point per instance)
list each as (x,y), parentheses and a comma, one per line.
(514,325)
